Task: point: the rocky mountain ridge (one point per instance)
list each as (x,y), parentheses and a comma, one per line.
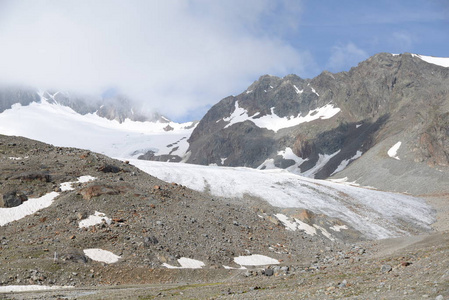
(117,107)
(385,99)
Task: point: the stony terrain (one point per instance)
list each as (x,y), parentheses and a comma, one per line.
(154,222)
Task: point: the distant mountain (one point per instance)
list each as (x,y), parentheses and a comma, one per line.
(112,126)
(318,127)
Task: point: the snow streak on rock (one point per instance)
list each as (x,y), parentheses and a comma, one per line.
(274,122)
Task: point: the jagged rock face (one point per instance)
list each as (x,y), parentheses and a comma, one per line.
(117,108)
(12,95)
(384,96)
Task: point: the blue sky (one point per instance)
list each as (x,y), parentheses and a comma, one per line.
(179,57)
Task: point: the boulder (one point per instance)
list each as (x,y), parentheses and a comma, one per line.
(12,199)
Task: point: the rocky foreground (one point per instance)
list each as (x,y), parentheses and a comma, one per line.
(151,225)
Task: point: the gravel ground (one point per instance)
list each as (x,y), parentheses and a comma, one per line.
(154,222)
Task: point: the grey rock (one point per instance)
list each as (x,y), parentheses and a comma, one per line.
(386,268)
(12,199)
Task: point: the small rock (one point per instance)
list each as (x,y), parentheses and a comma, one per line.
(268,272)
(386,268)
(343,284)
(285,269)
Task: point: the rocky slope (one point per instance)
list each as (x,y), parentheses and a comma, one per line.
(318,126)
(147,222)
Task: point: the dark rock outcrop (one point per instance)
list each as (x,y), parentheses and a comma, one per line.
(12,199)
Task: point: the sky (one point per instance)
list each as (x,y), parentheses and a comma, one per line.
(180,57)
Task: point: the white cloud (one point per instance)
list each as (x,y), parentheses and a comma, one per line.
(345,57)
(176,56)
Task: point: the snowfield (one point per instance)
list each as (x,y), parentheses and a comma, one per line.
(61,126)
(375,213)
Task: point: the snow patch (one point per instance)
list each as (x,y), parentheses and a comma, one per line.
(392,152)
(96,218)
(18,158)
(32,205)
(439,61)
(101,255)
(30,288)
(29,207)
(338,228)
(67,186)
(345,162)
(323,159)
(186,263)
(231,268)
(298,91)
(274,122)
(324,232)
(296,224)
(255,260)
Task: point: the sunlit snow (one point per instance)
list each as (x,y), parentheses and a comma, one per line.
(30,288)
(67,186)
(298,91)
(440,61)
(29,207)
(296,224)
(101,255)
(186,263)
(323,159)
(255,260)
(377,214)
(96,218)
(392,152)
(32,205)
(345,162)
(338,228)
(274,122)
(61,126)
